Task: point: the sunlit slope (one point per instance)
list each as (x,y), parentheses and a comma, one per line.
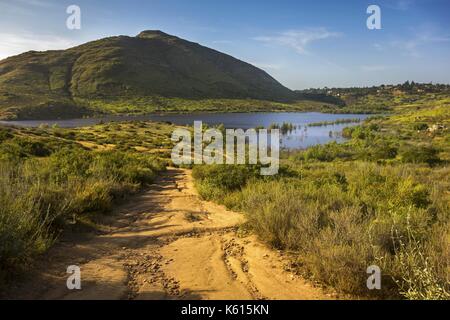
(153,64)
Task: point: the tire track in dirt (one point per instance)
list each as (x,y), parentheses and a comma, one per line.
(167,243)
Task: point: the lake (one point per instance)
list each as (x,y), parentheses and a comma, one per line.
(301,137)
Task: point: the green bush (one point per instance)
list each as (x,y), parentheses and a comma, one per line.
(420,126)
(419,154)
(380,149)
(417,277)
(226,177)
(5,134)
(327,153)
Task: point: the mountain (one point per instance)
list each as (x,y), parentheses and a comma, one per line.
(153,64)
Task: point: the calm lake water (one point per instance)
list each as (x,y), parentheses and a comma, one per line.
(299,138)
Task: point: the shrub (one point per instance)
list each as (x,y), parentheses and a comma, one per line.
(420,126)
(416,276)
(380,149)
(5,134)
(226,177)
(419,154)
(11,151)
(327,152)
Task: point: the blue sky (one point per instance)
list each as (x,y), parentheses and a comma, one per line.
(301,43)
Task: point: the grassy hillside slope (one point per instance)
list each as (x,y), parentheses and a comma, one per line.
(150,66)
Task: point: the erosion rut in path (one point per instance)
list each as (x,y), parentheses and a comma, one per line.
(169,244)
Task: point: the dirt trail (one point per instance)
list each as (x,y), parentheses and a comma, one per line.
(169,244)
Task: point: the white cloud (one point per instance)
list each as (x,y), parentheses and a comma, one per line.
(12,44)
(37,3)
(412,46)
(298,39)
(24,7)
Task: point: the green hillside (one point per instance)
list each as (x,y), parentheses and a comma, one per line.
(150,67)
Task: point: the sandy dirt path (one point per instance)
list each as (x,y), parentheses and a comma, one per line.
(168,244)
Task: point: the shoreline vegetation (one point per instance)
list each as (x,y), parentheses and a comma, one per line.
(381,198)
(158,105)
(374,100)
(335,122)
(284,128)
